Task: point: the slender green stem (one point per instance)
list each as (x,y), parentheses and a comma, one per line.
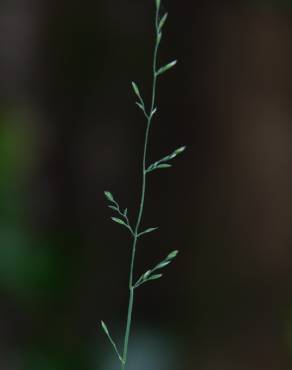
(143,193)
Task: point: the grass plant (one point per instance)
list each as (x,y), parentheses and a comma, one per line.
(121,216)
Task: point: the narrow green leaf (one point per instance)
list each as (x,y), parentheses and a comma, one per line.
(105,329)
(162,264)
(119,221)
(143,278)
(161,164)
(180,150)
(166,67)
(150,168)
(157,3)
(109,196)
(150,230)
(159,37)
(166,159)
(140,106)
(155,277)
(162,21)
(147,274)
(136,89)
(157,166)
(113,207)
(172,255)
(164,165)
(126,212)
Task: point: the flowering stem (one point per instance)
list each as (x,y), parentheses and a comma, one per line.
(143,193)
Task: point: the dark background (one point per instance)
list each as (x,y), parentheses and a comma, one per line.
(69,130)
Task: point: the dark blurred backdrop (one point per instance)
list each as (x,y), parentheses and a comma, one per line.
(69,130)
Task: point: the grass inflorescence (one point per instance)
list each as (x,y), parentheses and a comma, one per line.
(121,215)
